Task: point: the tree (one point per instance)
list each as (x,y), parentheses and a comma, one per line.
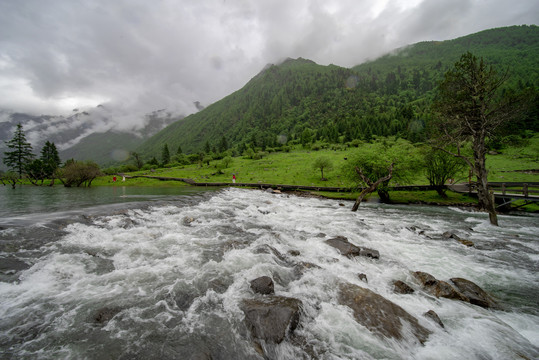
(469,109)
(322,163)
(223,145)
(179,151)
(139,163)
(50,159)
(165,155)
(440,167)
(306,138)
(78,173)
(375,165)
(227,160)
(9,178)
(20,154)
(36,171)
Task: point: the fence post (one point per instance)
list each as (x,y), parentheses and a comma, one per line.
(525,190)
(503,188)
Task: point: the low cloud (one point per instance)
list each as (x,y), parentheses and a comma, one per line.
(135,57)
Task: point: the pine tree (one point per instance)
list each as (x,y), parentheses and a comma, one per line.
(50,158)
(165,155)
(470,109)
(20,154)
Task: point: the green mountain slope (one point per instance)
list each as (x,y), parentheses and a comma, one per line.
(299,99)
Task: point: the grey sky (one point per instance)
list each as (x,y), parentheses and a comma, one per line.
(136,56)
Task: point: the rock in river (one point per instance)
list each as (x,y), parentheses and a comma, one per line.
(474,293)
(263,285)
(348,249)
(380,315)
(438,288)
(271,318)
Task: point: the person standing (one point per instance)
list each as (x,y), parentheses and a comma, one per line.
(233,178)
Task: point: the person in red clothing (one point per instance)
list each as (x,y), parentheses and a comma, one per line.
(234,178)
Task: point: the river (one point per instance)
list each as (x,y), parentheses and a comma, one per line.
(127,273)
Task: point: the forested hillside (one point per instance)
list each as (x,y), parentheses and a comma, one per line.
(301,101)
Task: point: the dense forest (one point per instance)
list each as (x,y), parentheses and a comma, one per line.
(299,101)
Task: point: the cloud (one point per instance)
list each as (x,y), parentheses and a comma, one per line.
(137,56)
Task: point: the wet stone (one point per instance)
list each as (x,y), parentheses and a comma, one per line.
(474,293)
(379,315)
(400,287)
(434,317)
(362,277)
(439,288)
(263,285)
(272,318)
(348,249)
(104,315)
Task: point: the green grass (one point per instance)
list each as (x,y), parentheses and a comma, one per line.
(107,181)
(296,168)
(511,162)
(293,168)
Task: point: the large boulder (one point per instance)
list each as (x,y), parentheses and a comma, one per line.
(271,318)
(348,249)
(380,315)
(263,285)
(474,293)
(438,288)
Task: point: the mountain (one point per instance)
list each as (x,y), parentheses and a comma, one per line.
(87,135)
(388,96)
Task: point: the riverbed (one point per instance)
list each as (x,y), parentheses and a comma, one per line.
(163,276)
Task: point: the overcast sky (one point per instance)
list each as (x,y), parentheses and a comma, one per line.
(136,56)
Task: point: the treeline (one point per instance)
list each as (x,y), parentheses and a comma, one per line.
(24,165)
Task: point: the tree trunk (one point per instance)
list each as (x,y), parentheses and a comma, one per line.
(384,195)
(485,199)
(371,186)
(441,191)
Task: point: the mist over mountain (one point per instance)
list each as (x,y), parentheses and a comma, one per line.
(87,135)
(387,96)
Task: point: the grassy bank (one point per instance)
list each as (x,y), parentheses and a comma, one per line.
(296,168)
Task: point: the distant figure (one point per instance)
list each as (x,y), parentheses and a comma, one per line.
(233,178)
(123,178)
(114,179)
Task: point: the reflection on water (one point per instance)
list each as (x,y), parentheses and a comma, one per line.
(38,203)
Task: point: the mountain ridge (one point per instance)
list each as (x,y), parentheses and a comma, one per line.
(387,96)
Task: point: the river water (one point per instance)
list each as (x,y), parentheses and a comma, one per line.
(124,273)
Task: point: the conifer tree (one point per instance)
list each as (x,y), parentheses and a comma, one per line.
(50,158)
(470,109)
(165,155)
(20,153)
